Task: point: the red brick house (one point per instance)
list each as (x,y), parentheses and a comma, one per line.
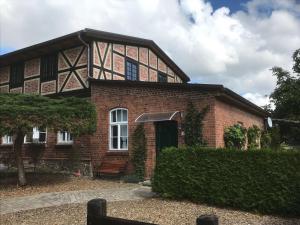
(130,80)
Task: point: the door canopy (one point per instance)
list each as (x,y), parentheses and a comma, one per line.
(155,117)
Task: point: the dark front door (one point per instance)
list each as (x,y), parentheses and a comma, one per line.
(166,135)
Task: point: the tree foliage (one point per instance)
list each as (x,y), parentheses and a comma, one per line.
(139,151)
(193,125)
(286,98)
(19,113)
(22,112)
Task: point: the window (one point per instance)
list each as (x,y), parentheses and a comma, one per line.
(118,138)
(162,78)
(17,75)
(131,70)
(38,135)
(7,140)
(64,137)
(49,67)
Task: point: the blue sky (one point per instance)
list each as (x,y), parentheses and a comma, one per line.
(233,5)
(229,42)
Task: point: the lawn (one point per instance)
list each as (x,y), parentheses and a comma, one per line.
(152,210)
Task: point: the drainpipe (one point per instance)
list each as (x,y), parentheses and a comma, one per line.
(88,54)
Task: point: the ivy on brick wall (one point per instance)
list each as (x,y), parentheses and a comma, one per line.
(193,125)
(139,151)
(235,136)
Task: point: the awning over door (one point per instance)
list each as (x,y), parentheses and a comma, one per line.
(155,117)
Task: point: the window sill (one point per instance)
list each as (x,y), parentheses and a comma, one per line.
(6,145)
(118,152)
(64,145)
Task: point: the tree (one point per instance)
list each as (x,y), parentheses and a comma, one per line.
(139,151)
(19,113)
(193,125)
(286,98)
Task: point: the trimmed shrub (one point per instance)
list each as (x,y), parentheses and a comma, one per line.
(256,180)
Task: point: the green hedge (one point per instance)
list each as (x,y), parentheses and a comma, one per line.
(256,180)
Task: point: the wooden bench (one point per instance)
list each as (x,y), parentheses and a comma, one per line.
(111,168)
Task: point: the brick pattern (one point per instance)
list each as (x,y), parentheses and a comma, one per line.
(4,89)
(32,68)
(32,86)
(227,115)
(141,100)
(111,58)
(48,87)
(16,90)
(53,151)
(71,62)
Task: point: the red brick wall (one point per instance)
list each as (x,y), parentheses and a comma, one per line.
(227,115)
(140,100)
(52,150)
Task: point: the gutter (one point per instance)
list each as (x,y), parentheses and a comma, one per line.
(88,54)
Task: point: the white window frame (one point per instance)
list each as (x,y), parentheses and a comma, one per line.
(111,123)
(36,135)
(60,140)
(7,140)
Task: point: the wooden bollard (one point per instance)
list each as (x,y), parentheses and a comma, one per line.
(207,220)
(96,208)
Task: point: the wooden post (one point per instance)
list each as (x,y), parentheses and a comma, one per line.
(207,220)
(96,208)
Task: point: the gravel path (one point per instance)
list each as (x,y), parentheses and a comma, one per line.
(150,210)
(46,183)
(61,198)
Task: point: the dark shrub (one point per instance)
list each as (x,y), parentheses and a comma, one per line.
(257,180)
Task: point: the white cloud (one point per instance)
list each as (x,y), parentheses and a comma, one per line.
(211,46)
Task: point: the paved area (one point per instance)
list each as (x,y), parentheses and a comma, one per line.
(60,198)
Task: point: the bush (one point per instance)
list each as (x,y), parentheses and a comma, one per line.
(253,135)
(139,151)
(235,136)
(262,181)
(193,125)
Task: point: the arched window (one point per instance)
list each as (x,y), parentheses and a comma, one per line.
(118,129)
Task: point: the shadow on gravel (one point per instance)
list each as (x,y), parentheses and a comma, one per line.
(9,180)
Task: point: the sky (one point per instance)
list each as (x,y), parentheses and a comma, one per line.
(229,42)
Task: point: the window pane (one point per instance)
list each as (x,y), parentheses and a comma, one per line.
(123,142)
(123,130)
(114,142)
(114,131)
(124,116)
(42,137)
(119,112)
(114,117)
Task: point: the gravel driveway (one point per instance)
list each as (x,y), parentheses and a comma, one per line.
(151,210)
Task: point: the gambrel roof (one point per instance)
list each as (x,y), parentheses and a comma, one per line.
(72,40)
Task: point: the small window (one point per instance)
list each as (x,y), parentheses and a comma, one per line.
(162,78)
(118,129)
(131,70)
(17,75)
(7,140)
(64,137)
(38,135)
(49,67)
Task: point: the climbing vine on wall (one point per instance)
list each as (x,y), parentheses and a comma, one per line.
(139,151)
(235,136)
(193,125)
(253,136)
